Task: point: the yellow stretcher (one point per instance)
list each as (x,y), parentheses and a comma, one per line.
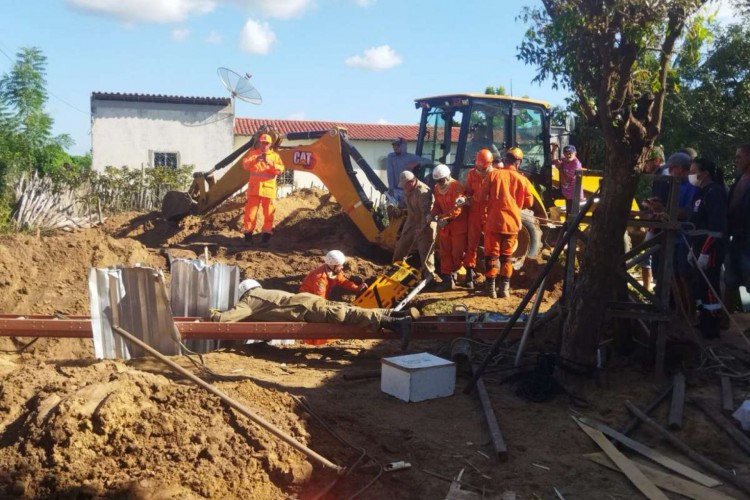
(389,288)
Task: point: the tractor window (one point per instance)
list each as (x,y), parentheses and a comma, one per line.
(436,148)
(486,131)
(529,127)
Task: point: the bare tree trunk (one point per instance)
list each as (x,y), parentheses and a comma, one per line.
(603,253)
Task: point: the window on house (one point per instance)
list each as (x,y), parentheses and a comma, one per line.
(168,160)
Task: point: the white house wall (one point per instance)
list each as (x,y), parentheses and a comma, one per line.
(126,133)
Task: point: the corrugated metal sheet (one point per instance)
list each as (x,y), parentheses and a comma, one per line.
(160,98)
(196,288)
(136,300)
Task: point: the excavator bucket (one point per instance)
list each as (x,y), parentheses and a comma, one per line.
(177,205)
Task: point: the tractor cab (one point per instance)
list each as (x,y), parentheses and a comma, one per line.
(454,128)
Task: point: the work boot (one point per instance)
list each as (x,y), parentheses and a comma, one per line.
(248,239)
(470,275)
(447,284)
(489,285)
(399,326)
(412,313)
(504,288)
(265,239)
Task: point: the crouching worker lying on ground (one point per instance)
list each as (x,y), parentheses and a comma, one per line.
(259,304)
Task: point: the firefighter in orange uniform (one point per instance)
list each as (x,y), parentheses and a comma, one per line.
(264,166)
(477,204)
(321,280)
(451,222)
(507,194)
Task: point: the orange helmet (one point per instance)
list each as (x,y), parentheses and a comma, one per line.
(484,158)
(265,138)
(515,153)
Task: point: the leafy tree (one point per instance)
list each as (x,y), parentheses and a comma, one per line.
(709,105)
(615,57)
(499,90)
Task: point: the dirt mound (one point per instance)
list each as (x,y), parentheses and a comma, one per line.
(105,429)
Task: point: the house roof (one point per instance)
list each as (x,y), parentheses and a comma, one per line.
(167,99)
(362,131)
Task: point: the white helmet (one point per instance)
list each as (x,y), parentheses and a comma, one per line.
(335,258)
(441,172)
(248,285)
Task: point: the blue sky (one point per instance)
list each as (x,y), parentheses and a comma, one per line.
(361,61)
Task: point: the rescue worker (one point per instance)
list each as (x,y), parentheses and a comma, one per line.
(323,279)
(475,181)
(418,230)
(451,222)
(259,304)
(264,166)
(400,160)
(707,242)
(507,194)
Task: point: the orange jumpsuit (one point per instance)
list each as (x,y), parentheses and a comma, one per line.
(477,214)
(507,195)
(261,187)
(319,282)
(452,238)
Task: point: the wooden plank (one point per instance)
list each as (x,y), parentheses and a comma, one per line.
(727,399)
(652,454)
(737,435)
(498,442)
(678,403)
(651,407)
(741,483)
(627,467)
(666,481)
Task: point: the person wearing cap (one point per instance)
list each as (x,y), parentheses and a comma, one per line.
(396,162)
(452,223)
(473,189)
(264,166)
(323,279)
(507,194)
(567,166)
(259,304)
(418,231)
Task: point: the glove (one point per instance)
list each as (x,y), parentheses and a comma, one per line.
(703,261)
(442,223)
(460,201)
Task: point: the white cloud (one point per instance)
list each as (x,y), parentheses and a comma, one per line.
(300,115)
(156,11)
(376,59)
(213,38)
(256,37)
(180,34)
(283,9)
(383,121)
(365,3)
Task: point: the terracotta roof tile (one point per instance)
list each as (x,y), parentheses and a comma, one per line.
(362,131)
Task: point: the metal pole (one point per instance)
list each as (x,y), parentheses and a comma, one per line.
(529,323)
(231,402)
(537,281)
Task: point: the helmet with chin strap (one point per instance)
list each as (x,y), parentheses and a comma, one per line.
(248,285)
(335,258)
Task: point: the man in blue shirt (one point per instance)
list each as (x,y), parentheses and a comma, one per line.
(397,162)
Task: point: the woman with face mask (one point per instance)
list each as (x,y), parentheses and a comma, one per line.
(707,242)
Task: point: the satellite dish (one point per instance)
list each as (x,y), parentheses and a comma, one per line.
(239,86)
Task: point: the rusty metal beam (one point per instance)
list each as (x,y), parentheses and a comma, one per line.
(201,329)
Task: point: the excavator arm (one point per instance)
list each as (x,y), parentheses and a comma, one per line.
(329,158)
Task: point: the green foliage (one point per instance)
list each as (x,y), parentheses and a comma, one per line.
(709,107)
(499,90)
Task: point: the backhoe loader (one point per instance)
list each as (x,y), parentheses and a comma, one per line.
(452,129)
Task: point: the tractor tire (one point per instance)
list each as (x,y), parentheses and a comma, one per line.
(529,237)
